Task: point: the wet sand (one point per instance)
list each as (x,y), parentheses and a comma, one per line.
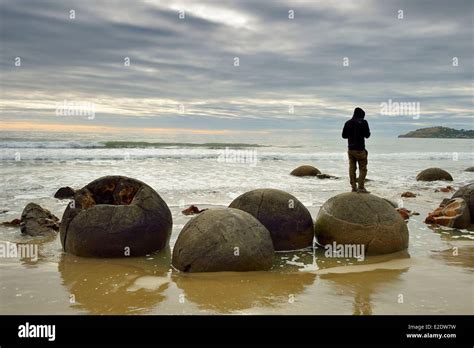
(428,278)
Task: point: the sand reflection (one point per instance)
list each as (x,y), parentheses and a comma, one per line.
(114,286)
(230,292)
(364,280)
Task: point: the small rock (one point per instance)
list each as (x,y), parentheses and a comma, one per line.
(326,176)
(14,222)
(408,194)
(445,189)
(37,221)
(404,213)
(192,210)
(470,169)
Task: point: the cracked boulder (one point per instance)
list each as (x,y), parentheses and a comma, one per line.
(434,174)
(289,222)
(361,219)
(454,213)
(467,193)
(115,216)
(37,221)
(223,240)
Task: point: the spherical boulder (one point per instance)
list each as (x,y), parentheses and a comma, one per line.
(355,219)
(289,222)
(305,171)
(115,216)
(434,174)
(467,193)
(223,240)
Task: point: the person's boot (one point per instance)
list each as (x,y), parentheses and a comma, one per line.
(362,190)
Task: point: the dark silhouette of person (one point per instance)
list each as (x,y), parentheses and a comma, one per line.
(355,131)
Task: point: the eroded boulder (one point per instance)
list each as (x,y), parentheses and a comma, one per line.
(454,213)
(115,216)
(467,193)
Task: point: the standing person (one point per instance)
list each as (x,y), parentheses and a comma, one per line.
(355,131)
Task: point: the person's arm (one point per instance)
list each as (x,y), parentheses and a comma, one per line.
(344,131)
(367,130)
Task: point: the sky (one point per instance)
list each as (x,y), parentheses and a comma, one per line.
(234,66)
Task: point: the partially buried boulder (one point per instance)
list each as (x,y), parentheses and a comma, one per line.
(467,193)
(115,216)
(37,221)
(223,240)
(289,222)
(434,174)
(469,169)
(305,170)
(353,218)
(454,213)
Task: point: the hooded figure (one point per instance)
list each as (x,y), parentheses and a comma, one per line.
(355,131)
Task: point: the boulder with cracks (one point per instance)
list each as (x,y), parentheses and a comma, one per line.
(115,216)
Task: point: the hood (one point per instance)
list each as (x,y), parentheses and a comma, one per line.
(358,113)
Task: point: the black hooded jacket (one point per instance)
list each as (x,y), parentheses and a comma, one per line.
(356,130)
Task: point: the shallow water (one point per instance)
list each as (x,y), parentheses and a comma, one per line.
(434,276)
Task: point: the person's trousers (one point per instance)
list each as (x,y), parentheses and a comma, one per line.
(357,157)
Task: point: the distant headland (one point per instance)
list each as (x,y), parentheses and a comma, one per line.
(439,132)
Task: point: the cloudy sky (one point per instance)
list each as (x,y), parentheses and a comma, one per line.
(245,66)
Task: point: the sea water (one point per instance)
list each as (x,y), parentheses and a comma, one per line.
(434,276)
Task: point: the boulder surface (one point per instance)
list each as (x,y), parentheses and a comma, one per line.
(223,240)
(354,218)
(305,170)
(434,174)
(289,222)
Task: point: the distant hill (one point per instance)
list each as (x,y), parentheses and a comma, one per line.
(439,132)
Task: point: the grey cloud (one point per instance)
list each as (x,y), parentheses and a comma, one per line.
(192,59)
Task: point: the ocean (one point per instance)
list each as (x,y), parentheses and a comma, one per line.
(210,171)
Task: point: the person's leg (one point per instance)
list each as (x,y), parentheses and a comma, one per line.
(352,169)
(362,160)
